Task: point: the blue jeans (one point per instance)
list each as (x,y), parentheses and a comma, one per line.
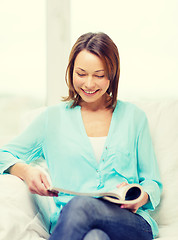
(86,218)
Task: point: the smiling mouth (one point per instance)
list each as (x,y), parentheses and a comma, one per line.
(90,92)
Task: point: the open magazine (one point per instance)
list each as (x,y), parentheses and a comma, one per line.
(129,194)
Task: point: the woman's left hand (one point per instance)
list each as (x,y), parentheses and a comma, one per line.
(134,207)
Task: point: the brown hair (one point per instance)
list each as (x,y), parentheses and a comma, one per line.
(102,46)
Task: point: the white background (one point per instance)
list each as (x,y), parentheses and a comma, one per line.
(23,47)
(145,32)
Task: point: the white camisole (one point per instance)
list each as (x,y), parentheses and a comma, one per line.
(98,146)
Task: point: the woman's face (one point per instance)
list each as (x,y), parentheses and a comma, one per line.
(89,78)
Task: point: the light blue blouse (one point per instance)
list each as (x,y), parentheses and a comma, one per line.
(58,135)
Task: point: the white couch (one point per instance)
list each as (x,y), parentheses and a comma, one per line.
(22,219)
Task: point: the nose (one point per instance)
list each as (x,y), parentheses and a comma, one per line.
(90,83)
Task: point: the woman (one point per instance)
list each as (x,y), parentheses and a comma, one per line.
(91,141)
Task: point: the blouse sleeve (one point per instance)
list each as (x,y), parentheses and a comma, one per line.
(27,147)
(148,171)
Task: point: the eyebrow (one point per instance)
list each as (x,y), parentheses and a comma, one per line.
(95,71)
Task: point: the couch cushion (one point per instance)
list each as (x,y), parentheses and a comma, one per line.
(163,121)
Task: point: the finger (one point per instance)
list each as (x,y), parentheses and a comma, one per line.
(122,184)
(33,192)
(45,181)
(129,207)
(134,210)
(45,192)
(33,189)
(52,194)
(123,206)
(42,190)
(37,187)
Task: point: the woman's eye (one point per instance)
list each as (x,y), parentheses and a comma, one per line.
(81,74)
(99,76)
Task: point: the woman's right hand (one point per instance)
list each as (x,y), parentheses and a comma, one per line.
(35,178)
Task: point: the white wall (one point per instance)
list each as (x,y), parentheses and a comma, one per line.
(146,34)
(23,71)
(23,47)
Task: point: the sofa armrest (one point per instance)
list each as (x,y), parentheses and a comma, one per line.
(19,213)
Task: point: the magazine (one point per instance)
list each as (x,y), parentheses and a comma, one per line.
(129,194)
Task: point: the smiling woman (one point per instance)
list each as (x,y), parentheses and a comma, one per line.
(88,79)
(94,68)
(63,133)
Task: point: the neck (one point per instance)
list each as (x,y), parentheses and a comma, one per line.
(95,106)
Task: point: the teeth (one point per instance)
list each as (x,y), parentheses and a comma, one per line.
(89,92)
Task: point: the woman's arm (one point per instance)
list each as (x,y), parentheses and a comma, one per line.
(147,167)
(147,170)
(27,147)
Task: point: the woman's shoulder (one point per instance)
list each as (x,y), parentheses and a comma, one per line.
(129,110)
(129,107)
(61,108)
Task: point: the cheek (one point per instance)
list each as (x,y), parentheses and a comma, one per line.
(105,84)
(77,82)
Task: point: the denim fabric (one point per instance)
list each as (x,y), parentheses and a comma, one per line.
(83,214)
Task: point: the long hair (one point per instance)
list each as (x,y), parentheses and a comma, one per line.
(102,46)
